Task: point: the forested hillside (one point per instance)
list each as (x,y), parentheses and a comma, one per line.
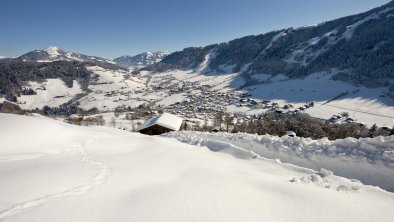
(361,47)
(15,75)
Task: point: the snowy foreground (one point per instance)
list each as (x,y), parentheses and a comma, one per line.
(370,160)
(52,171)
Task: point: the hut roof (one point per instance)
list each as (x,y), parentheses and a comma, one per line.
(165,120)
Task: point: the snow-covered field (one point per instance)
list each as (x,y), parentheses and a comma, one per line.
(364,105)
(52,171)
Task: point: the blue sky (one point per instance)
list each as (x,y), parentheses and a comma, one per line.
(118,27)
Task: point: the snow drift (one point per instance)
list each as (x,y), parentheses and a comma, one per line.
(370,160)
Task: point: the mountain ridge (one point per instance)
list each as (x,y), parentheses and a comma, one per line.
(361,46)
(140,60)
(53,53)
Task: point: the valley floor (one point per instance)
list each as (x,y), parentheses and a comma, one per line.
(52,171)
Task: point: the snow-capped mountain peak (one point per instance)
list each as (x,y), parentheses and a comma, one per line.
(51,48)
(53,51)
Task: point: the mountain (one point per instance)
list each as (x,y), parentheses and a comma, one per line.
(140,60)
(360,48)
(53,53)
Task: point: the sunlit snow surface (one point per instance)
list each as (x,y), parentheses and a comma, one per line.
(52,171)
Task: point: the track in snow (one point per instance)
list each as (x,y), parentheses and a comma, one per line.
(104,172)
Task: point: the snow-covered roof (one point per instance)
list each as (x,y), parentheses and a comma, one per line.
(291,134)
(165,120)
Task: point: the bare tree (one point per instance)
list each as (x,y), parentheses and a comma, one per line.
(113,122)
(218,119)
(205,126)
(228,119)
(133,126)
(100,120)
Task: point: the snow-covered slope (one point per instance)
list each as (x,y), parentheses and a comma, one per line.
(112,88)
(52,93)
(60,172)
(140,60)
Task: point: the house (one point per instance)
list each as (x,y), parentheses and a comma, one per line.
(160,124)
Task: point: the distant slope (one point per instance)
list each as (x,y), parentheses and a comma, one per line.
(140,60)
(15,75)
(360,46)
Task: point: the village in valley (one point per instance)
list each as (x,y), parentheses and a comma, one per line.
(196,99)
(124,99)
(208,103)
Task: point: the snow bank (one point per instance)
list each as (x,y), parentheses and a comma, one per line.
(370,160)
(218,146)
